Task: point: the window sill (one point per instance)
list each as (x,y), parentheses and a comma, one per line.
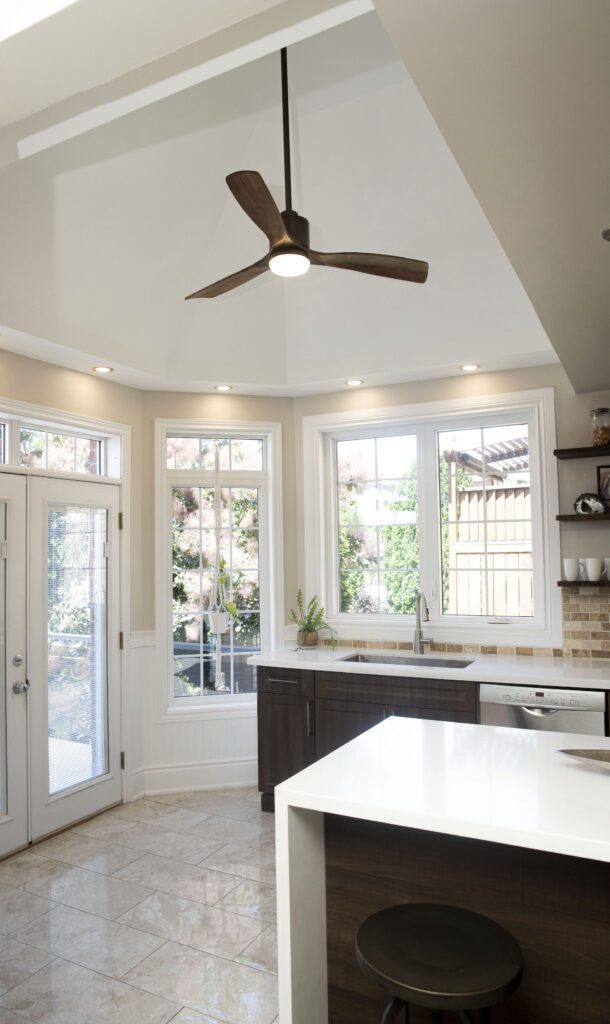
(197,712)
(383,628)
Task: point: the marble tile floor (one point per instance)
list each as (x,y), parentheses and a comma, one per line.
(159,910)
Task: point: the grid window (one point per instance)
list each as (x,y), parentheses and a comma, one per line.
(66,453)
(378,542)
(486,521)
(194,556)
(200,453)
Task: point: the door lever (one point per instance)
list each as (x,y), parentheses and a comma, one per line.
(21,687)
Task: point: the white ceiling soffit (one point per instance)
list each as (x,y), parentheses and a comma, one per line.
(104,235)
(98,64)
(521,92)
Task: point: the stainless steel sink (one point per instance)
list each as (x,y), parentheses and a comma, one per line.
(409,659)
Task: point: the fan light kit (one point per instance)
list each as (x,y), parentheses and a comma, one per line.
(102,369)
(289,264)
(470,367)
(355,382)
(288,233)
(223,387)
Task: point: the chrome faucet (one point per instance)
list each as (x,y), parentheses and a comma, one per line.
(421,615)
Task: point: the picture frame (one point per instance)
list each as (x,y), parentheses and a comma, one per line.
(603,484)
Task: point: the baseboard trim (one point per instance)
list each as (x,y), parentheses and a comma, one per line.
(183,778)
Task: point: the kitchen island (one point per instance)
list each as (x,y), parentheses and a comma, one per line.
(487,818)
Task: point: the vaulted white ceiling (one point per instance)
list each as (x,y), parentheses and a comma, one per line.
(103,236)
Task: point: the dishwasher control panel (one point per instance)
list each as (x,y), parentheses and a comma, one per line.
(534,697)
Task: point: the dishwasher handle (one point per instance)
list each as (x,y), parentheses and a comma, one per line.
(540,712)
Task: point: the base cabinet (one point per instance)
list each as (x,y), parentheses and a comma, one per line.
(302,716)
(339,721)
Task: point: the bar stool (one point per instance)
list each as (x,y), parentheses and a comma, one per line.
(438,957)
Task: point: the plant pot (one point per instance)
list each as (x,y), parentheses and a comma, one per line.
(307,639)
(219,622)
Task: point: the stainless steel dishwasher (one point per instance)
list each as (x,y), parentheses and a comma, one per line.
(518,707)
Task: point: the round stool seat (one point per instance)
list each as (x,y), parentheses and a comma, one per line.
(439,957)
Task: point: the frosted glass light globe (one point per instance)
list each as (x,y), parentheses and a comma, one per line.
(289,264)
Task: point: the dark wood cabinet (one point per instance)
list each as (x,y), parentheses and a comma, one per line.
(286,740)
(339,721)
(303,716)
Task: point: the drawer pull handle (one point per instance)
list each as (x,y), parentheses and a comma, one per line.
(274,679)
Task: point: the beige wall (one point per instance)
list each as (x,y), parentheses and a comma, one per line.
(28,380)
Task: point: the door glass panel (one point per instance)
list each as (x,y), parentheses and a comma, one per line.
(3,759)
(77,656)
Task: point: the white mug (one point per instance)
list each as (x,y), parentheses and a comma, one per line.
(571,569)
(594,568)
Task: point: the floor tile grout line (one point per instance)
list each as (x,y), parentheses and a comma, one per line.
(106,977)
(29,978)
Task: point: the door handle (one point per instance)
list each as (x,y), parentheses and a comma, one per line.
(309,729)
(21,687)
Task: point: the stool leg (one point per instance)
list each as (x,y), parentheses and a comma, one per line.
(486,1015)
(438,1016)
(396,1012)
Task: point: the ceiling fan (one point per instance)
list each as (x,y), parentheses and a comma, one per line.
(288,233)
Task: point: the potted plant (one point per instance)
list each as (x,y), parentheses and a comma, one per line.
(309,621)
(221,611)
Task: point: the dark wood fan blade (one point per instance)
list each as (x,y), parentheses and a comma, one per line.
(226,284)
(398,267)
(256,200)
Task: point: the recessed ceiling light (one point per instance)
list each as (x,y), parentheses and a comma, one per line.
(470,367)
(223,387)
(355,382)
(102,369)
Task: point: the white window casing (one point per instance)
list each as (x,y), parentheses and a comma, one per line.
(269,483)
(536,409)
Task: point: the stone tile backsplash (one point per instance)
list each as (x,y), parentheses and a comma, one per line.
(586,631)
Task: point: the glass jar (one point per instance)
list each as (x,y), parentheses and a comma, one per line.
(600,426)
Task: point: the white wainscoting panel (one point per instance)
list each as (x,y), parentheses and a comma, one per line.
(164,755)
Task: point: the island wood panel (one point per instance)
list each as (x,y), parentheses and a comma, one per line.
(557,907)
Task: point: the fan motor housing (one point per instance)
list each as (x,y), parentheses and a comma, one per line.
(297,227)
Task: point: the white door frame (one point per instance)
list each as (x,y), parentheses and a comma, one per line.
(14,825)
(48,813)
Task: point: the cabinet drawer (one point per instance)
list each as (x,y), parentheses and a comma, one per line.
(401,691)
(288,681)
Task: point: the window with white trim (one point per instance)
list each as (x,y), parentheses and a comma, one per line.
(217,499)
(458,504)
(56,448)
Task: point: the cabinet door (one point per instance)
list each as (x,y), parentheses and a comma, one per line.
(339,721)
(286,742)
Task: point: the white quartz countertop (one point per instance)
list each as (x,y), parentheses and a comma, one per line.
(484,782)
(520,671)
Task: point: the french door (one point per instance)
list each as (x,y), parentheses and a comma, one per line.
(66,532)
(13,684)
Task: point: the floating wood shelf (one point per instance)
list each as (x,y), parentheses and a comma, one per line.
(595,517)
(583,583)
(592,452)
